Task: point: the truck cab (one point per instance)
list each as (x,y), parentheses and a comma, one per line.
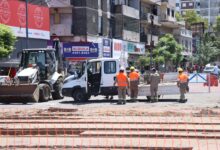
(96,78)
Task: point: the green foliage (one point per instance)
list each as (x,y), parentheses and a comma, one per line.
(179,17)
(192,17)
(167,50)
(143,61)
(217,25)
(208,51)
(7,41)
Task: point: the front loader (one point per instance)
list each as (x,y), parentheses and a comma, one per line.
(38,79)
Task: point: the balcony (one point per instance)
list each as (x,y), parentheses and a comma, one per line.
(59,3)
(127,11)
(157,2)
(169,21)
(61,29)
(183,33)
(131,36)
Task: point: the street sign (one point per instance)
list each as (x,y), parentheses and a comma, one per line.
(198,78)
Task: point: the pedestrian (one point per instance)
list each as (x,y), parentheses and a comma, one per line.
(134,82)
(182,83)
(122,83)
(154,82)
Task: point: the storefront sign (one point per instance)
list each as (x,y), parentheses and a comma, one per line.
(106,47)
(80,50)
(117,48)
(13,14)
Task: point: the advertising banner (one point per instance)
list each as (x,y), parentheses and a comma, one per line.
(117,48)
(80,50)
(135,48)
(13,14)
(106,47)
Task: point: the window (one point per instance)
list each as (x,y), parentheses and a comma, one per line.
(168,11)
(110,67)
(94,67)
(173,13)
(183,5)
(190,4)
(177,4)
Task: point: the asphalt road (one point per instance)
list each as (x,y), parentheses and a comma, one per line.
(199,97)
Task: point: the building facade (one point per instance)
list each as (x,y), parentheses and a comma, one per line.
(210,9)
(183,5)
(184,37)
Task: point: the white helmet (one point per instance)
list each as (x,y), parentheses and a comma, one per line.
(122,68)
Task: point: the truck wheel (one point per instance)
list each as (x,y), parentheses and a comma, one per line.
(44,93)
(57,94)
(79,96)
(148,98)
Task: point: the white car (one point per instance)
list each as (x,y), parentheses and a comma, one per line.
(210,69)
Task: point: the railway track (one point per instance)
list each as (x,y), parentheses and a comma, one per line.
(57,128)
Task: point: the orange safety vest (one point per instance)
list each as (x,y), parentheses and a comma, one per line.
(134,76)
(122,79)
(183,78)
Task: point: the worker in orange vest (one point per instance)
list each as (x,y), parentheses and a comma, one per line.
(123,84)
(182,83)
(134,81)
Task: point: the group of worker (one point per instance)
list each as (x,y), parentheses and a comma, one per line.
(124,82)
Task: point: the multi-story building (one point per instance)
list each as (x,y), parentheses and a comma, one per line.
(184,37)
(183,5)
(126,18)
(167,17)
(101,22)
(210,9)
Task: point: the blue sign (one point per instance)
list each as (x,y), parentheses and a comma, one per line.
(80,50)
(106,47)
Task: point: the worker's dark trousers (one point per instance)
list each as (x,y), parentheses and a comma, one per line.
(122,94)
(133,89)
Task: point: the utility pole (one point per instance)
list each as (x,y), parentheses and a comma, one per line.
(151,39)
(27,42)
(209,12)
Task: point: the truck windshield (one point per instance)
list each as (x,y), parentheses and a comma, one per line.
(76,68)
(34,58)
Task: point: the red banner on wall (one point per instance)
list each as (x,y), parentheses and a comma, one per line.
(13,14)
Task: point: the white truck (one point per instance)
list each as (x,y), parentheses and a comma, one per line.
(97,77)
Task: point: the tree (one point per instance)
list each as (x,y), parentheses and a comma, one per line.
(167,51)
(192,17)
(208,51)
(143,61)
(217,25)
(7,41)
(179,17)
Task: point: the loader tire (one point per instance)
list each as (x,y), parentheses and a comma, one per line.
(57,94)
(44,93)
(79,96)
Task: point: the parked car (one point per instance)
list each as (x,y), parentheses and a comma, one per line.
(210,69)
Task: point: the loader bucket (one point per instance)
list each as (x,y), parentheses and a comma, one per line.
(19,93)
